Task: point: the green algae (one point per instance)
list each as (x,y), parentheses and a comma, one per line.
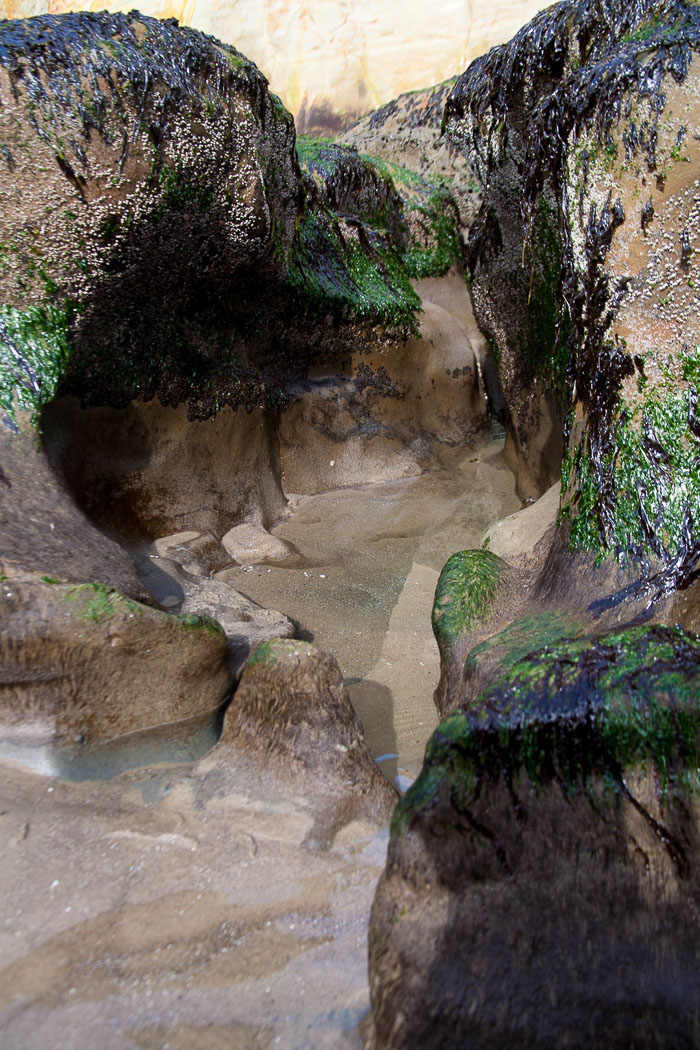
(199,622)
(264,656)
(350,272)
(465,594)
(95,602)
(35,348)
(268,653)
(525,635)
(581,708)
(429,207)
(651,470)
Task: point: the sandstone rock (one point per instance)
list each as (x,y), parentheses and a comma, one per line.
(44,533)
(199,553)
(82,665)
(582,265)
(251,544)
(377,418)
(522,539)
(543,869)
(292,711)
(184,590)
(139,235)
(149,471)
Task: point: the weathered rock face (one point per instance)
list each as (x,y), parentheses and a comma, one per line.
(382,414)
(44,533)
(554,828)
(81,666)
(407,133)
(292,711)
(565,260)
(148,471)
(543,871)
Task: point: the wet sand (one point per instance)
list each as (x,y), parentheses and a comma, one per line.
(179,905)
(363,584)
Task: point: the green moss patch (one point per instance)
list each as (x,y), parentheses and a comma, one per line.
(34,352)
(641,497)
(465,594)
(351,271)
(94,602)
(526,635)
(591,706)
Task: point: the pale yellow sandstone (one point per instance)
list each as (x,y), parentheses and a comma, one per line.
(334,61)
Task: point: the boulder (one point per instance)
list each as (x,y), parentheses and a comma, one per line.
(406,133)
(83,666)
(194,590)
(292,713)
(581,263)
(543,871)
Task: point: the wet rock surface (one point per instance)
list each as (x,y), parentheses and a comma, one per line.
(79,660)
(554,826)
(292,711)
(542,877)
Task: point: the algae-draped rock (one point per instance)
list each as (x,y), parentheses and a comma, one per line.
(171,247)
(582,129)
(543,874)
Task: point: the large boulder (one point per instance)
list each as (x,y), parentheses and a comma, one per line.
(543,872)
(582,130)
(292,713)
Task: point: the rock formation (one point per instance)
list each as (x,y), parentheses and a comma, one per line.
(551,831)
(331,64)
(292,712)
(165,283)
(543,871)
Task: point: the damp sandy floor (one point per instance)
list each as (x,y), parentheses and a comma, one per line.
(363,586)
(178,907)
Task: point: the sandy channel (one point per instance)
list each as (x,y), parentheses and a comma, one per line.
(179,905)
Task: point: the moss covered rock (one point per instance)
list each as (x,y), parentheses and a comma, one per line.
(157,236)
(543,872)
(582,263)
